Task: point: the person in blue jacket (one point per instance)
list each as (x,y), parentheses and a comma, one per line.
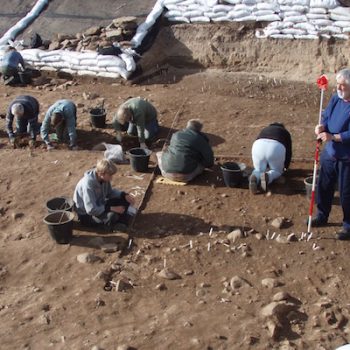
(97,203)
(62,116)
(11,63)
(334,130)
(25,109)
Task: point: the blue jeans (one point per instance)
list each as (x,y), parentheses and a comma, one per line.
(108,218)
(151,129)
(271,154)
(332,170)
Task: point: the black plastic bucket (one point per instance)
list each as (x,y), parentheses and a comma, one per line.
(25,77)
(308,187)
(232,173)
(98,117)
(59,203)
(139,159)
(60,225)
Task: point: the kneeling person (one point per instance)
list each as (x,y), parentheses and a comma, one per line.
(139,118)
(97,203)
(25,109)
(273,150)
(62,116)
(188,154)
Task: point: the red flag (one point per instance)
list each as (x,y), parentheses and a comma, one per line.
(322,82)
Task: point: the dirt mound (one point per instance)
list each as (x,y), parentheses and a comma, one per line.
(233,46)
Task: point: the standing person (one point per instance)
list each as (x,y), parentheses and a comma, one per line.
(97,203)
(139,118)
(273,150)
(11,62)
(25,109)
(188,154)
(334,130)
(62,116)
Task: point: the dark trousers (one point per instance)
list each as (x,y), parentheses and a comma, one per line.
(108,218)
(331,171)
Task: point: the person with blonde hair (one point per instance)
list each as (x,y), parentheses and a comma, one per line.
(188,154)
(25,109)
(97,203)
(139,117)
(62,116)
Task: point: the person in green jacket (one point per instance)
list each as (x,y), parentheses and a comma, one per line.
(139,118)
(188,154)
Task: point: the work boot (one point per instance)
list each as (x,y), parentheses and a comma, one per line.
(317,221)
(253,184)
(264,181)
(8,80)
(343,235)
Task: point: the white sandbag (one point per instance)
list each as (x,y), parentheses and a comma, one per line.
(200,19)
(244,7)
(342,11)
(325,36)
(307,26)
(108,75)
(268,18)
(167,2)
(321,22)
(68,71)
(190,14)
(53,58)
(129,62)
(290,14)
(341,36)
(168,14)
(270,31)
(258,13)
(88,55)
(318,10)
(137,39)
(296,19)
(174,7)
(48,69)
(114,153)
(238,14)
(306,36)
(267,6)
(213,15)
(58,64)
(195,7)
(222,8)
(249,2)
(86,72)
(68,58)
(336,17)
(317,16)
(346,30)
(285,8)
(342,24)
(281,36)
(179,19)
(330,29)
(43,54)
(233,2)
(245,19)
(221,19)
(110,61)
(327,4)
(88,62)
(300,8)
(293,31)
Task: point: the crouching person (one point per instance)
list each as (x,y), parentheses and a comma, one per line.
(272,154)
(97,203)
(188,154)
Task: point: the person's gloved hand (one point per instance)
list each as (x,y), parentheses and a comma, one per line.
(119,137)
(31,143)
(13,142)
(143,145)
(49,147)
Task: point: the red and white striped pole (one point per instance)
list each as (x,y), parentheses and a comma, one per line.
(322,83)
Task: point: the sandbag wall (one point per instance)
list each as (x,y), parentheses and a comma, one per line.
(81,63)
(290,19)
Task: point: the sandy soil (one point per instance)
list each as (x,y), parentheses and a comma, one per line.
(48,300)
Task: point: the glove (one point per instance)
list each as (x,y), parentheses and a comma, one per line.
(31,143)
(143,145)
(49,147)
(119,137)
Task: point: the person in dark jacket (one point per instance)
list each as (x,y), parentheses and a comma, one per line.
(11,62)
(25,109)
(188,154)
(334,130)
(271,150)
